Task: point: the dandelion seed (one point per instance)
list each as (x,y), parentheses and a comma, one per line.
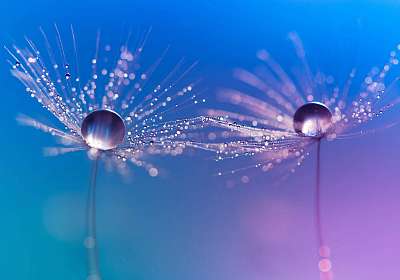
(298,111)
(109,117)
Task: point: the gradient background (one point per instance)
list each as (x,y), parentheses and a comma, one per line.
(186,224)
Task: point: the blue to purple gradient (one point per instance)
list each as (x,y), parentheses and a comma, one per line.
(186,224)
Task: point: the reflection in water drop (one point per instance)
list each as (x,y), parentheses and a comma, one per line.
(103,130)
(312,120)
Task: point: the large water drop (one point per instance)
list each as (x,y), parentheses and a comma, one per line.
(313,119)
(103,130)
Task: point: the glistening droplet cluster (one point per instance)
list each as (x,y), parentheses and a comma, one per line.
(118,102)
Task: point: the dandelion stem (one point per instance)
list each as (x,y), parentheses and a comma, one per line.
(91,241)
(318,224)
(324,263)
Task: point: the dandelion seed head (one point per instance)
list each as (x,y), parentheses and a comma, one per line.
(121,106)
(275,115)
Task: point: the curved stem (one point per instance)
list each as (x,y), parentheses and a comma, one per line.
(91,241)
(318,224)
(324,264)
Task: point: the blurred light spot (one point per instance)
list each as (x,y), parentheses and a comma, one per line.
(153,172)
(325,265)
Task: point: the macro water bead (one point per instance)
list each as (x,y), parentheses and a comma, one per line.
(312,120)
(103,130)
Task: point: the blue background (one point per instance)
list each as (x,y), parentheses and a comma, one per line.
(186,224)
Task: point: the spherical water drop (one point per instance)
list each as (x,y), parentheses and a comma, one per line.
(103,130)
(313,119)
